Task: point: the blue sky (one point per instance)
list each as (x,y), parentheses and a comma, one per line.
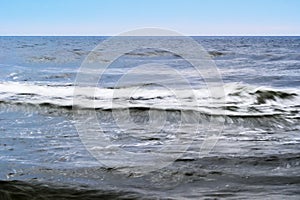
(111,17)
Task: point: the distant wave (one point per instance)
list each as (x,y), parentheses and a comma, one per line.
(216,53)
(149,52)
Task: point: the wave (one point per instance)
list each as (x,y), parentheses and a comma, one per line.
(243,174)
(216,53)
(33,190)
(240,100)
(76,54)
(150,52)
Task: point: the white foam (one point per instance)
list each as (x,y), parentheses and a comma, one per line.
(239,99)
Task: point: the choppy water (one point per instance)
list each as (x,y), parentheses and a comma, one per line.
(257,154)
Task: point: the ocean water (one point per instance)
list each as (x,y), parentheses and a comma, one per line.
(257,150)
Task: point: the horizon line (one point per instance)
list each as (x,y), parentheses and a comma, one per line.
(188,35)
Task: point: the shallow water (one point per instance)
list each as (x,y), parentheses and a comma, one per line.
(257,155)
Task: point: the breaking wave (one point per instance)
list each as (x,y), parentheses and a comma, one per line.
(240,100)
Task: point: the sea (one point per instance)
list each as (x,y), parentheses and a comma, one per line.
(149,125)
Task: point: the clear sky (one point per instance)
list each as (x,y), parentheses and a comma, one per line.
(110,17)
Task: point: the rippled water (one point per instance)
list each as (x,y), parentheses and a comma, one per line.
(256,156)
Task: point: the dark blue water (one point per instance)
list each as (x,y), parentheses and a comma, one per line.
(257,153)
